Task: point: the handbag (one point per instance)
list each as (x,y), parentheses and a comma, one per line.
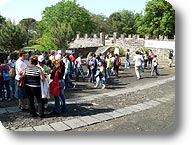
(55,86)
(20,83)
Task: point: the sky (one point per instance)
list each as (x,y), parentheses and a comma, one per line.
(17,10)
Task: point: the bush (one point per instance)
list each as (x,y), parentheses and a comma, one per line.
(121,51)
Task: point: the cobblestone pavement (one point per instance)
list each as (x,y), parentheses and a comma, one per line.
(86,106)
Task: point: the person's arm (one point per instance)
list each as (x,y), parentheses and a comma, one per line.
(42,77)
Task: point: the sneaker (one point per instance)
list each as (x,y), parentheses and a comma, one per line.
(74,86)
(96,87)
(45,106)
(9,99)
(103,87)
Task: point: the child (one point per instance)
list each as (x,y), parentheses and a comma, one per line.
(100,75)
(154,66)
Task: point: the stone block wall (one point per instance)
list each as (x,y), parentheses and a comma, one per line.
(133,42)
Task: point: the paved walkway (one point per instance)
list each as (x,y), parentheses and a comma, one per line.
(77,122)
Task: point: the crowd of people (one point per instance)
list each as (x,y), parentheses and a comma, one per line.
(37,75)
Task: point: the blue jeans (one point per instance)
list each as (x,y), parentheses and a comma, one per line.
(12,84)
(68,81)
(7,88)
(79,71)
(60,103)
(20,92)
(108,73)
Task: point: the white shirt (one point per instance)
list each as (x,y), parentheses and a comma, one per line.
(155,62)
(11,63)
(79,61)
(19,66)
(138,59)
(27,62)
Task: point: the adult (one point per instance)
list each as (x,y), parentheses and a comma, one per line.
(20,92)
(51,58)
(170,57)
(12,74)
(72,59)
(117,64)
(67,72)
(58,70)
(79,68)
(33,75)
(151,56)
(46,71)
(138,60)
(127,58)
(4,80)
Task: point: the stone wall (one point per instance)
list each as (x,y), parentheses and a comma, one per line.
(133,42)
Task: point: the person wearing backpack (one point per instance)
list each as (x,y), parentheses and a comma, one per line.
(5,80)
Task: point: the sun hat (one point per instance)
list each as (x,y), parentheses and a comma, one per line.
(41,58)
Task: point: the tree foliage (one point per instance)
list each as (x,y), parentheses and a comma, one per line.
(100,23)
(29,24)
(12,37)
(158,19)
(122,22)
(67,14)
(61,22)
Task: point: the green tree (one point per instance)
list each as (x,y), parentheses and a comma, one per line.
(158,19)
(12,37)
(29,25)
(61,34)
(122,22)
(77,20)
(100,24)
(2,19)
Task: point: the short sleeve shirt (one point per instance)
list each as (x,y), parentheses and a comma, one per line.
(19,66)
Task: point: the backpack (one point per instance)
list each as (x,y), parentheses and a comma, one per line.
(6,73)
(12,72)
(118,61)
(92,63)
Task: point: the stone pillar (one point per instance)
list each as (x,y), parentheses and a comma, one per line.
(160,37)
(166,38)
(122,37)
(77,36)
(134,36)
(137,36)
(102,38)
(95,36)
(146,37)
(115,35)
(86,36)
(129,36)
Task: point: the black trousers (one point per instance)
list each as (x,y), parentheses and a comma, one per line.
(35,92)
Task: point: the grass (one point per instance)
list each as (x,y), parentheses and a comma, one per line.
(33,48)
